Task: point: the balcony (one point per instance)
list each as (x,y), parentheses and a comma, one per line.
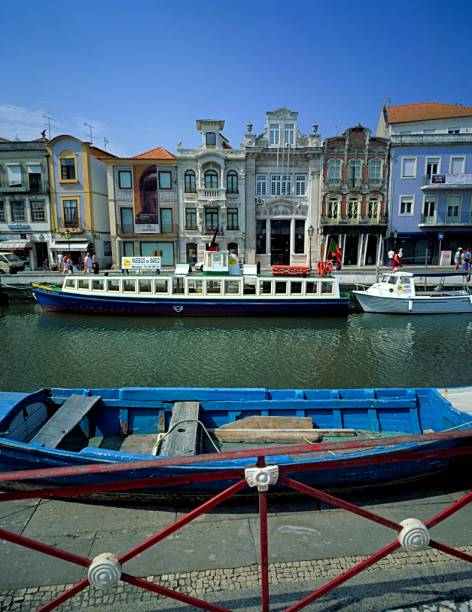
(354,220)
(333,183)
(445,220)
(447,181)
(354,183)
(375,183)
(212,195)
(411,139)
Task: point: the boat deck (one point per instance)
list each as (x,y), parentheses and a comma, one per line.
(460,398)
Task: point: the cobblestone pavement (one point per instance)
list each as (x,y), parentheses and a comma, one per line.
(245,579)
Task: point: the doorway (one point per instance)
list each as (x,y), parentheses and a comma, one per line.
(351,251)
(280,242)
(371,250)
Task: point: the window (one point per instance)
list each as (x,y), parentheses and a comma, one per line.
(261,185)
(299,236)
(296,287)
(432,166)
(233,223)
(129,285)
(456,165)
(373,209)
(275,184)
(128,249)
(191,251)
(163,249)
(281,287)
(453,209)
(113,284)
(375,169)
(353,209)
(232,182)
(161,285)
(274,134)
(38,211)
(211,218)
(286,184)
(211,139)
(406,205)
(165,179)
(71,213)
(300,182)
(166,221)
(355,166)
(2,212)
(68,171)
(211,179)
(144,285)
(261,234)
(17,211)
(83,283)
(127,220)
(195,285)
(289,133)
(429,208)
(34,177)
(14,175)
(190,182)
(213,286)
(334,170)
(98,284)
(334,208)
(265,288)
(232,287)
(124,179)
(190,218)
(408,167)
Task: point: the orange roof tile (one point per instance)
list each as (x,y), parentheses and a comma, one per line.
(157,153)
(425,111)
(101,154)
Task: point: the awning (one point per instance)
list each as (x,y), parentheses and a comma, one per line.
(15,245)
(72,246)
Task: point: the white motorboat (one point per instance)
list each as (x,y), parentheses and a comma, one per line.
(417,293)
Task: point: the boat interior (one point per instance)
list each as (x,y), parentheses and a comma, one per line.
(181,422)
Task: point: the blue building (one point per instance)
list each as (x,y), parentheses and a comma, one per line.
(430,184)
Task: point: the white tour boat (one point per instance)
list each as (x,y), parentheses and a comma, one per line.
(417,293)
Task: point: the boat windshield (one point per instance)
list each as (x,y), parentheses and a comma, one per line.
(387,278)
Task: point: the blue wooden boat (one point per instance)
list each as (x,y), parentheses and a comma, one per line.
(75,427)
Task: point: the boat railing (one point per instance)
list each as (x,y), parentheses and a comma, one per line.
(107,569)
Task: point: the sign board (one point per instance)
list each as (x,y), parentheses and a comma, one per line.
(445,258)
(438,178)
(440,236)
(140,263)
(459,179)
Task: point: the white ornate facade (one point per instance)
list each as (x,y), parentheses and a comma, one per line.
(282,192)
(211,189)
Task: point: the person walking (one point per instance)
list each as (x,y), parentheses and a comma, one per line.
(88,263)
(390,256)
(396,262)
(458,258)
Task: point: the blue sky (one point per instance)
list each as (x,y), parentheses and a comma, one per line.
(143,71)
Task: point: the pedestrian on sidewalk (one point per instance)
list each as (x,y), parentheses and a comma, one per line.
(458,258)
(396,262)
(390,255)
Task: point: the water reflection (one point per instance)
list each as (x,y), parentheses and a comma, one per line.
(362,350)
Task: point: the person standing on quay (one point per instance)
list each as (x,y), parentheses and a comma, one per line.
(95,266)
(396,262)
(88,263)
(390,256)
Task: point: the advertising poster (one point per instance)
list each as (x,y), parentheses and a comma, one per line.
(146,214)
(140,263)
(445,258)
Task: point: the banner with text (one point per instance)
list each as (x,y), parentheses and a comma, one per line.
(140,263)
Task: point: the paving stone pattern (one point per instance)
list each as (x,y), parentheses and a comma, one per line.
(201,583)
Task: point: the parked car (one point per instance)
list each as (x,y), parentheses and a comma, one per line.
(10,263)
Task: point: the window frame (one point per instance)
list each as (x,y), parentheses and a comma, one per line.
(232,182)
(211,212)
(166,173)
(10,184)
(455,157)
(190,211)
(12,213)
(207,140)
(428,159)
(261,184)
(130,174)
(232,213)
(3,211)
(34,212)
(77,208)
(275,184)
(334,163)
(370,164)
(167,210)
(65,158)
(289,130)
(403,198)
(300,180)
(210,173)
(402,168)
(274,128)
(126,210)
(190,181)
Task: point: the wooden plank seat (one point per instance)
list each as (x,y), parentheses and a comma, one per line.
(267,429)
(182,439)
(64,420)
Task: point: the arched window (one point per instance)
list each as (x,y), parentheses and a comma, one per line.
(211,179)
(190,185)
(232,182)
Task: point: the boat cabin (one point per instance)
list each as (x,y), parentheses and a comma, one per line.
(408,284)
(192,286)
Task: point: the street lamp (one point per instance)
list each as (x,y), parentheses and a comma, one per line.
(311,231)
(67,236)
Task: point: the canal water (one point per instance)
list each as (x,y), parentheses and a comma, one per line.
(362,350)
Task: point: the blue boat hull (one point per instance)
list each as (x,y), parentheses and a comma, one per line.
(142,410)
(58,301)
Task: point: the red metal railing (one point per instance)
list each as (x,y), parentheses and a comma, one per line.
(263,474)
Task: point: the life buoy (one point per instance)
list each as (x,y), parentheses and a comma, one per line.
(399,287)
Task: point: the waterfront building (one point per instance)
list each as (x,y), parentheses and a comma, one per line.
(25,219)
(212,187)
(354,196)
(142,196)
(79,200)
(430,191)
(282,192)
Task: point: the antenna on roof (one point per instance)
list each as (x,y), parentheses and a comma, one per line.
(49,122)
(91,128)
(105,142)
